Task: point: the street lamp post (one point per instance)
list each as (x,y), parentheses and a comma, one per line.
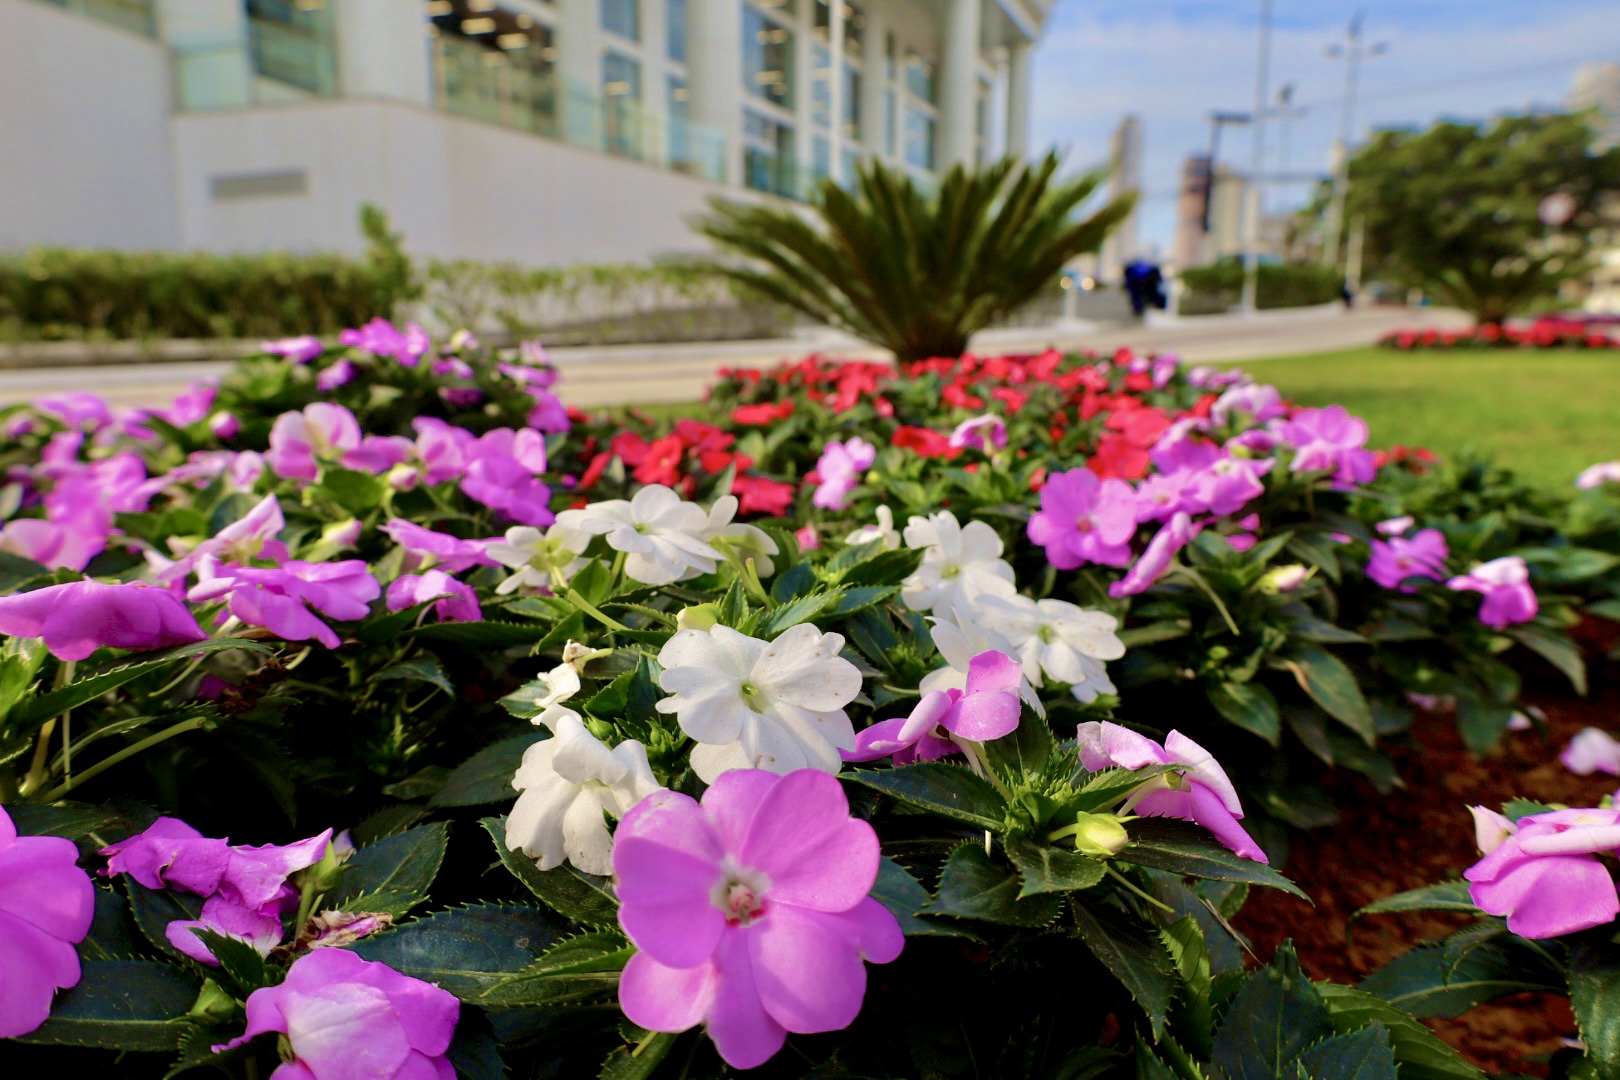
(1353,51)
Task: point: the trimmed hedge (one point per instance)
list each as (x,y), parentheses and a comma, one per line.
(1217,287)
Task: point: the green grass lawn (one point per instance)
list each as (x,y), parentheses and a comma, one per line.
(1546,415)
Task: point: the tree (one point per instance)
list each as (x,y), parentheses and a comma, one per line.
(914,272)
(1455,210)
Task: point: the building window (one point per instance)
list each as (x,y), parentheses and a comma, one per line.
(846,174)
(821,86)
(852,103)
(854,30)
(891,108)
(678,108)
(821,161)
(675,30)
(494,65)
(921,135)
(621,104)
(622,17)
(767,57)
(920,79)
(291,42)
(136,15)
(768,154)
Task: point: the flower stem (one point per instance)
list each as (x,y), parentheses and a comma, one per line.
(61,790)
(1131,886)
(38,768)
(590,609)
(1198,580)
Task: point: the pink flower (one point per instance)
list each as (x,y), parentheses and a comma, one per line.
(280,599)
(46,904)
(80,617)
(1545,875)
(1595,476)
(300,350)
(300,440)
(1196,790)
(456,600)
(1505,583)
(192,405)
(1083,519)
(1330,440)
(77,410)
(1398,559)
(987,709)
(984,433)
(339,374)
(750,910)
(381,338)
(1592,750)
(549,413)
(1170,538)
(346,1018)
(1395,526)
(1228,484)
(436,549)
(808,539)
(840,469)
(1257,401)
(224,425)
(251,536)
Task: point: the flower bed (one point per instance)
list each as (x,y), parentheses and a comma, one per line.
(1545,333)
(551,706)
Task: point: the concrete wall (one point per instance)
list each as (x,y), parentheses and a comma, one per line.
(84,134)
(456,188)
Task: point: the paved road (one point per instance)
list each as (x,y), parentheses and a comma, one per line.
(643,374)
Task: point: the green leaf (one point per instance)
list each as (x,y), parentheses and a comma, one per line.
(1447,896)
(1132,952)
(1332,685)
(356,492)
(567,891)
(121,1005)
(1358,1055)
(1189,951)
(1022,752)
(1431,981)
(1272,1018)
(1248,705)
(884,568)
(1594,994)
(797,580)
(392,875)
(1419,1051)
(29,714)
(1051,870)
(576,970)
(1557,649)
(862,597)
(154,909)
(466,950)
(418,669)
(972,886)
(486,777)
(950,791)
(1322,632)
(1482,723)
(905,898)
(1151,633)
(239,962)
(488,634)
(625,1063)
(796,611)
(1184,848)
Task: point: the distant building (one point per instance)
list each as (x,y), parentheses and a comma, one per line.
(1209,213)
(543,131)
(1124,175)
(1597,86)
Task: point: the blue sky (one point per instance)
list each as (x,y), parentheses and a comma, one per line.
(1171,63)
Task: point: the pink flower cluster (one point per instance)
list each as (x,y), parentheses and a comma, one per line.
(1543,872)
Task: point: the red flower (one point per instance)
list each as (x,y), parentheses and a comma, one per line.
(956,396)
(1139,382)
(926,442)
(753,415)
(1203,406)
(1118,458)
(593,471)
(762,495)
(630,447)
(1015,400)
(1139,424)
(662,464)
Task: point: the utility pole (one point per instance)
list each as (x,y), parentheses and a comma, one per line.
(1253,204)
(1353,52)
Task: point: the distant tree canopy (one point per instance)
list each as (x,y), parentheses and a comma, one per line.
(1455,210)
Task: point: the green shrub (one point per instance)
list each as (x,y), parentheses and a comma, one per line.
(1217,287)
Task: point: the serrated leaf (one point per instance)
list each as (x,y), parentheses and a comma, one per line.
(239,962)
(799,610)
(30,713)
(1557,649)
(1189,951)
(1421,1054)
(973,886)
(392,875)
(1135,637)
(1184,848)
(154,909)
(466,950)
(1272,1018)
(797,580)
(569,892)
(594,582)
(1594,994)
(1447,896)
(949,791)
(486,777)
(488,634)
(1248,705)
(121,1005)
(417,669)
(1132,952)
(862,597)
(1046,869)
(1428,981)
(905,898)
(1333,686)
(639,1063)
(575,970)
(1357,1055)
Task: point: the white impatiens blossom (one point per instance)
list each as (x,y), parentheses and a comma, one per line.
(745,541)
(960,564)
(1057,639)
(566,783)
(753,704)
(959,638)
(538,556)
(884,530)
(660,532)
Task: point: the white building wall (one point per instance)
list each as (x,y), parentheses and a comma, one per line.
(84,134)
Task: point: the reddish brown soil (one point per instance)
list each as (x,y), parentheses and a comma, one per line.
(1422,835)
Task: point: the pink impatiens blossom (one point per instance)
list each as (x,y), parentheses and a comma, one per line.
(427,548)
(46,904)
(381,338)
(251,536)
(1171,538)
(300,350)
(1545,875)
(1084,520)
(987,709)
(346,1018)
(1592,750)
(1196,790)
(80,617)
(455,600)
(1330,440)
(986,433)
(1398,559)
(750,910)
(280,599)
(339,374)
(1505,583)
(1595,476)
(299,441)
(840,469)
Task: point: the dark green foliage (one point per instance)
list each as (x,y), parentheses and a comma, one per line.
(914,272)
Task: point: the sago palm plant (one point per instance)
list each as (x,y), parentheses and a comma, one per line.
(917,273)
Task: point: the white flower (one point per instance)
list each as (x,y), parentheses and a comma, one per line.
(745,541)
(960,563)
(1057,639)
(752,704)
(535,555)
(884,530)
(565,784)
(959,639)
(661,533)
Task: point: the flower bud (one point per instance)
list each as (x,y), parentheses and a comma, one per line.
(701,617)
(324,875)
(1100,835)
(213,1003)
(224,425)
(342,533)
(1284,579)
(600,728)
